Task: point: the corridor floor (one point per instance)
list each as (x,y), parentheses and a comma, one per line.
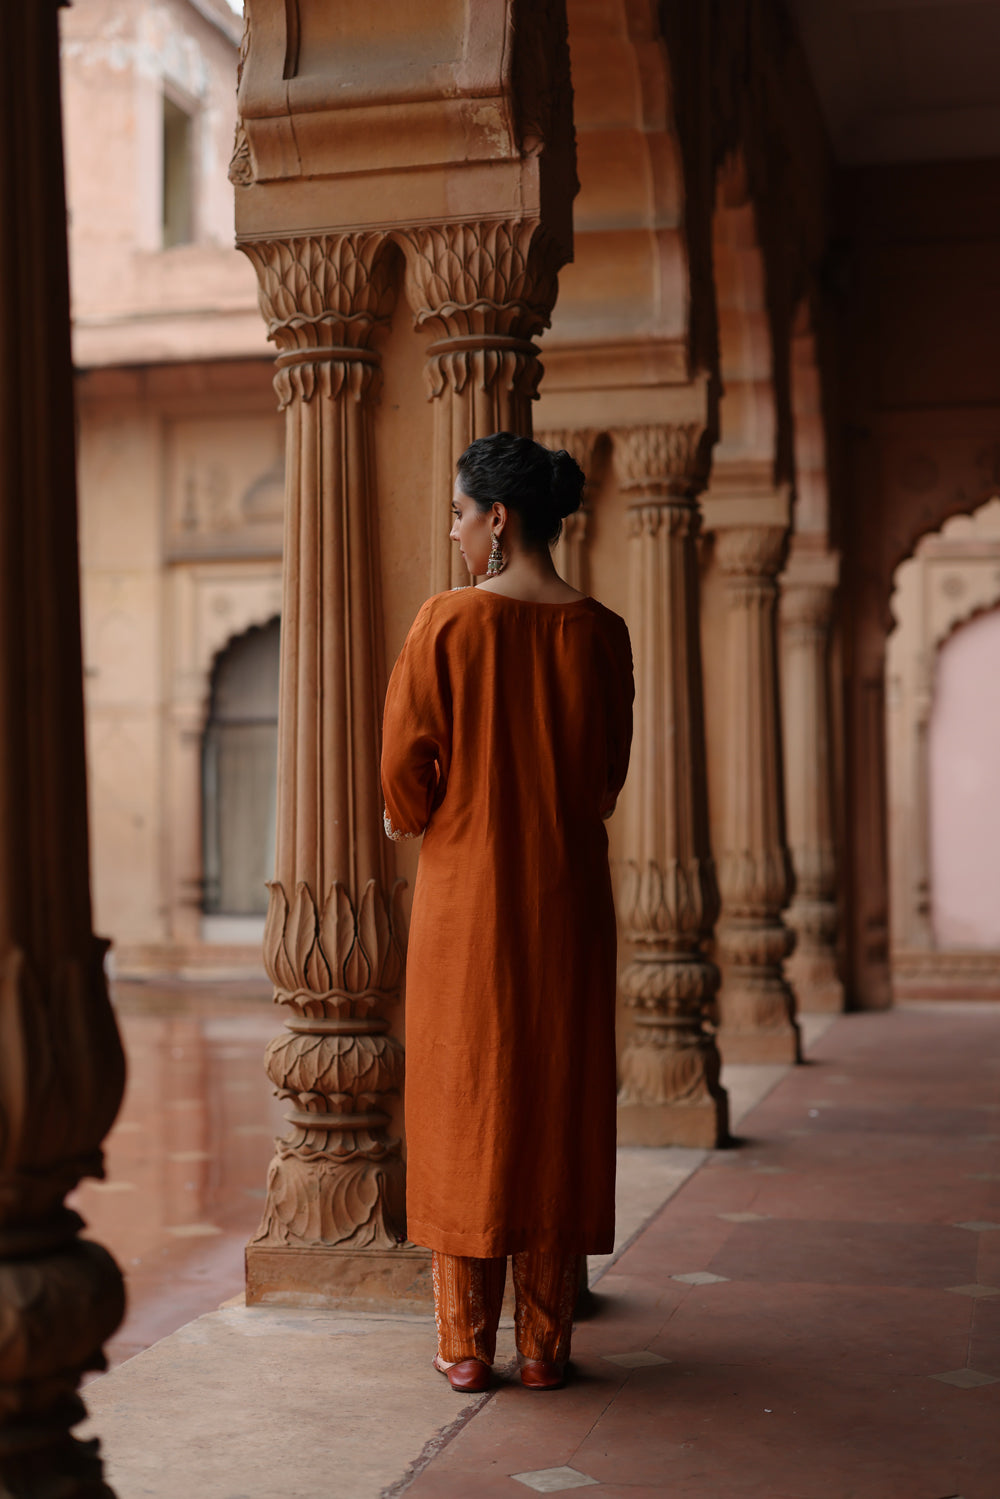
(815,1315)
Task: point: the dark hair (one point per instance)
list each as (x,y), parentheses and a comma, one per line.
(541,485)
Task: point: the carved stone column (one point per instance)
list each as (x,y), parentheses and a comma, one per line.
(872,989)
(332,941)
(756,1003)
(808,588)
(919,877)
(61,1064)
(486,290)
(670,1092)
(569,552)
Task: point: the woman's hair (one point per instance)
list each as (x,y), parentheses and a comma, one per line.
(542,486)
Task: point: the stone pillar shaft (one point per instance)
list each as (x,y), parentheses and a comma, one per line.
(670,1092)
(807,597)
(332,940)
(61,1063)
(756,1003)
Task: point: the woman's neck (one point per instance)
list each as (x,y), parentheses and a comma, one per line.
(531,575)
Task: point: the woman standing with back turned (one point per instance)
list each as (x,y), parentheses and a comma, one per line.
(508,721)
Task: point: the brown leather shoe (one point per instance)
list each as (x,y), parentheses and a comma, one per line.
(470,1376)
(538,1375)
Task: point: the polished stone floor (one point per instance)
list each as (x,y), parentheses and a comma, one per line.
(812,1315)
(187,1158)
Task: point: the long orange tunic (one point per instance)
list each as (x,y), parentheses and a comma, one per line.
(506,741)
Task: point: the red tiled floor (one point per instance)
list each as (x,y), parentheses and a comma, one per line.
(807,1373)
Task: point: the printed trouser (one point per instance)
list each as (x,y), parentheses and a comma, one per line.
(468,1295)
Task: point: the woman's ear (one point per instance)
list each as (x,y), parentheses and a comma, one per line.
(499,515)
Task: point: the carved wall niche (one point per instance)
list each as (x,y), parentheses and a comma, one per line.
(953,575)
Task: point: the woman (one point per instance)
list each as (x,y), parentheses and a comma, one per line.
(508,721)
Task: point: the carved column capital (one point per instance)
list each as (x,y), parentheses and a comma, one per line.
(669,459)
(806,608)
(487,290)
(751,554)
(323,298)
(578,442)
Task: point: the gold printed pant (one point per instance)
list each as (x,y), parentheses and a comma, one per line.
(468,1295)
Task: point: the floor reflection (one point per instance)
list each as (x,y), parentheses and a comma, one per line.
(188,1155)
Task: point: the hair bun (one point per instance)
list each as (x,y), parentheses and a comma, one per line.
(568,480)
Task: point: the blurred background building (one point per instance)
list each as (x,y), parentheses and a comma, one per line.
(181,482)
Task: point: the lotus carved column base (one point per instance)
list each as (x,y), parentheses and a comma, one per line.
(332,1232)
(756,1003)
(670,1092)
(812,968)
(61,1299)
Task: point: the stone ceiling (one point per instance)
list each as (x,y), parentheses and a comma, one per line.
(905,80)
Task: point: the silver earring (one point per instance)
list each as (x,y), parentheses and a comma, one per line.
(496,563)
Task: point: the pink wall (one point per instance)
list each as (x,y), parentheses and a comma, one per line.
(965,787)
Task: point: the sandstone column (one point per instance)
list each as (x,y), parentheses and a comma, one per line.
(670,1092)
(332,942)
(61,1064)
(486,290)
(756,1003)
(569,552)
(808,589)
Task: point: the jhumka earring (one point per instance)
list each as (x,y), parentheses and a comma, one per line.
(496,563)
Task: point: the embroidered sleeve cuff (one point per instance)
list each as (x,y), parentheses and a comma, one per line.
(394,833)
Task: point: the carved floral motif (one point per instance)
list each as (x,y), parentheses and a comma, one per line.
(241,171)
(338,957)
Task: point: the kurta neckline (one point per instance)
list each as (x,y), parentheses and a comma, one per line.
(534,603)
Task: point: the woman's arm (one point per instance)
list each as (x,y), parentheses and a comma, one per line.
(416,731)
(620,700)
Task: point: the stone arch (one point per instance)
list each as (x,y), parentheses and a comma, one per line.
(748,424)
(951,577)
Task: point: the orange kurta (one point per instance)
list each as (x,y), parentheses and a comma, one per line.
(506,742)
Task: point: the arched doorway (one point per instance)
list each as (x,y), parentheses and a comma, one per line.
(239,768)
(943,741)
(963,786)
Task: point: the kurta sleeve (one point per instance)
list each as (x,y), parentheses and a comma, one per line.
(416,731)
(621,696)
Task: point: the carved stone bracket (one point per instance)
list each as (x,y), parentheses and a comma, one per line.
(756,1003)
(670,1092)
(486,289)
